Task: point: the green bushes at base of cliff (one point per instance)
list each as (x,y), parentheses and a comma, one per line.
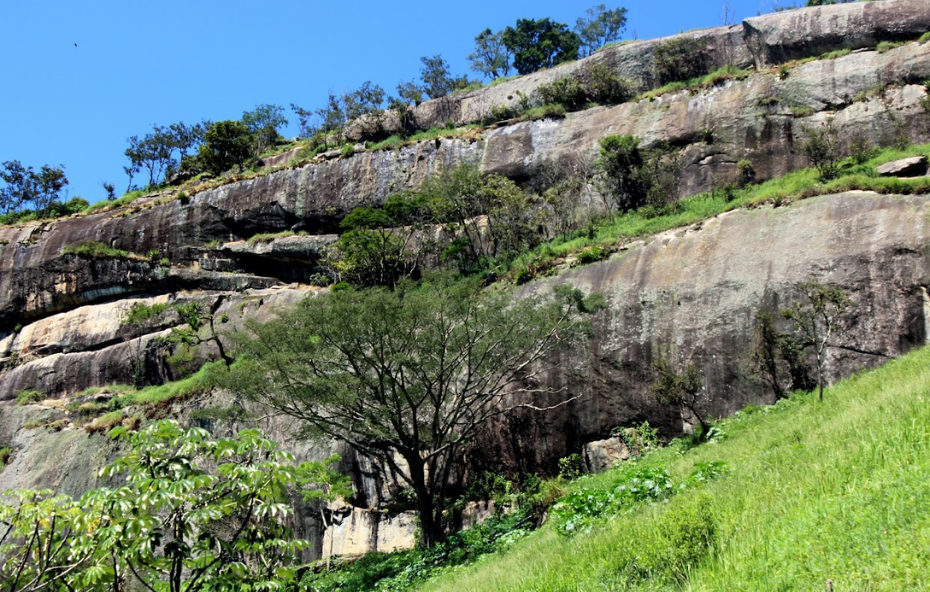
(813,492)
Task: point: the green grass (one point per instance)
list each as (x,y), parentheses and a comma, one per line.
(433,133)
(888,45)
(125,200)
(28,397)
(782,191)
(200,382)
(98,250)
(835,490)
(550,111)
(727,72)
(267,237)
(5,453)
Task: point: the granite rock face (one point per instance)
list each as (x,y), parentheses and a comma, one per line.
(689,295)
(692,295)
(762,41)
(762,118)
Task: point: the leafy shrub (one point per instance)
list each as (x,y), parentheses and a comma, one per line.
(821,147)
(571,466)
(591,255)
(579,510)
(140,314)
(594,84)
(550,111)
(566,91)
(745,172)
(703,472)
(679,59)
(861,150)
(97,250)
(640,439)
(30,396)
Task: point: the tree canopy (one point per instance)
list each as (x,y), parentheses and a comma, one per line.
(193,514)
(410,376)
(538,44)
(600,26)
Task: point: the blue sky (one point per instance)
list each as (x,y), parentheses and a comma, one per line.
(142,63)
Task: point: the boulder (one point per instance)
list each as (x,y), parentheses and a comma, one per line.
(916,166)
(600,455)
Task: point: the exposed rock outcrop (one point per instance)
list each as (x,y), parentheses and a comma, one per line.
(689,295)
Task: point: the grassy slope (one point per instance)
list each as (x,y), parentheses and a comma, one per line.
(837,490)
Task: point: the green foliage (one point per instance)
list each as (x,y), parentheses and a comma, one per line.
(344,365)
(813,491)
(29,396)
(822,148)
(683,389)
(226,144)
(5,452)
(591,255)
(405,570)
(727,72)
(634,484)
(639,440)
(23,186)
(571,466)
(679,59)
(193,514)
(490,57)
(818,318)
(538,44)
(169,490)
(437,78)
(600,27)
(45,541)
(377,248)
(200,382)
(262,124)
(144,315)
(98,250)
(567,91)
(549,111)
(679,541)
(622,162)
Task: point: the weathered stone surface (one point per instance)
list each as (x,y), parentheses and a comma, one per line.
(692,295)
(916,166)
(601,455)
(764,40)
(356,531)
(792,34)
(755,119)
(70,352)
(633,61)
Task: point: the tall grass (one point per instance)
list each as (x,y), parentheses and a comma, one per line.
(835,490)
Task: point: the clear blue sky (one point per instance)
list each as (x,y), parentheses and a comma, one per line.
(141,63)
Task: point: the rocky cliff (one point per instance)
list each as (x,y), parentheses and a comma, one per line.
(690,294)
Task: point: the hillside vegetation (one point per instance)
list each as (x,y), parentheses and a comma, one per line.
(812,492)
